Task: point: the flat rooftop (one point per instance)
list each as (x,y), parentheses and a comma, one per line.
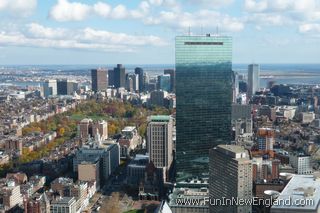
(129,129)
(160,118)
(232,148)
(239,153)
(188,193)
(299,187)
(64,200)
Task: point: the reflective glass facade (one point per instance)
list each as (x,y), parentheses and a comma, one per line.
(164,82)
(204,98)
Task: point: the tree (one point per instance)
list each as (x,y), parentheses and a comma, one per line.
(142,130)
(61,131)
(112,204)
(112,129)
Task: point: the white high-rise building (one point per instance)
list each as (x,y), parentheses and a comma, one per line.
(230,170)
(253,79)
(50,88)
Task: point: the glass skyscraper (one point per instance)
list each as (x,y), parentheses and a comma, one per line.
(164,82)
(204,98)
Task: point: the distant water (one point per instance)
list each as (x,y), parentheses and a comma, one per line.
(285,73)
(21,84)
(280,73)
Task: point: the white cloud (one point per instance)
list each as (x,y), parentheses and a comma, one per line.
(85,39)
(156,2)
(76,11)
(102,9)
(38,31)
(299,6)
(304,5)
(144,6)
(264,19)
(69,11)
(18,7)
(282,12)
(172,5)
(119,12)
(280,5)
(90,34)
(212,3)
(310,28)
(202,18)
(165,3)
(255,6)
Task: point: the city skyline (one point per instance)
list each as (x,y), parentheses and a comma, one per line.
(164,106)
(133,32)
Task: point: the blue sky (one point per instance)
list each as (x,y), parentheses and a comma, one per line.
(142,32)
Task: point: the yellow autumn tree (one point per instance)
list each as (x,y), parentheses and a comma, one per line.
(61,131)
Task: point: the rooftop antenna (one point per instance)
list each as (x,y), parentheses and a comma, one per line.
(189,31)
(217,30)
(201,29)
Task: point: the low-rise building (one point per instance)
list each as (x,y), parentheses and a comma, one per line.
(65,187)
(301,163)
(129,141)
(10,195)
(38,203)
(184,192)
(4,158)
(64,205)
(307,117)
(136,169)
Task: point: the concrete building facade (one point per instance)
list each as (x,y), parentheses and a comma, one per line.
(159,141)
(230,171)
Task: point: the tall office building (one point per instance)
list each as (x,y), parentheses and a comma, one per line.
(139,71)
(119,73)
(253,79)
(159,141)
(157,98)
(111,78)
(204,98)
(99,79)
(164,82)
(235,86)
(66,87)
(132,82)
(230,177)
(172,74)
(50,88)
